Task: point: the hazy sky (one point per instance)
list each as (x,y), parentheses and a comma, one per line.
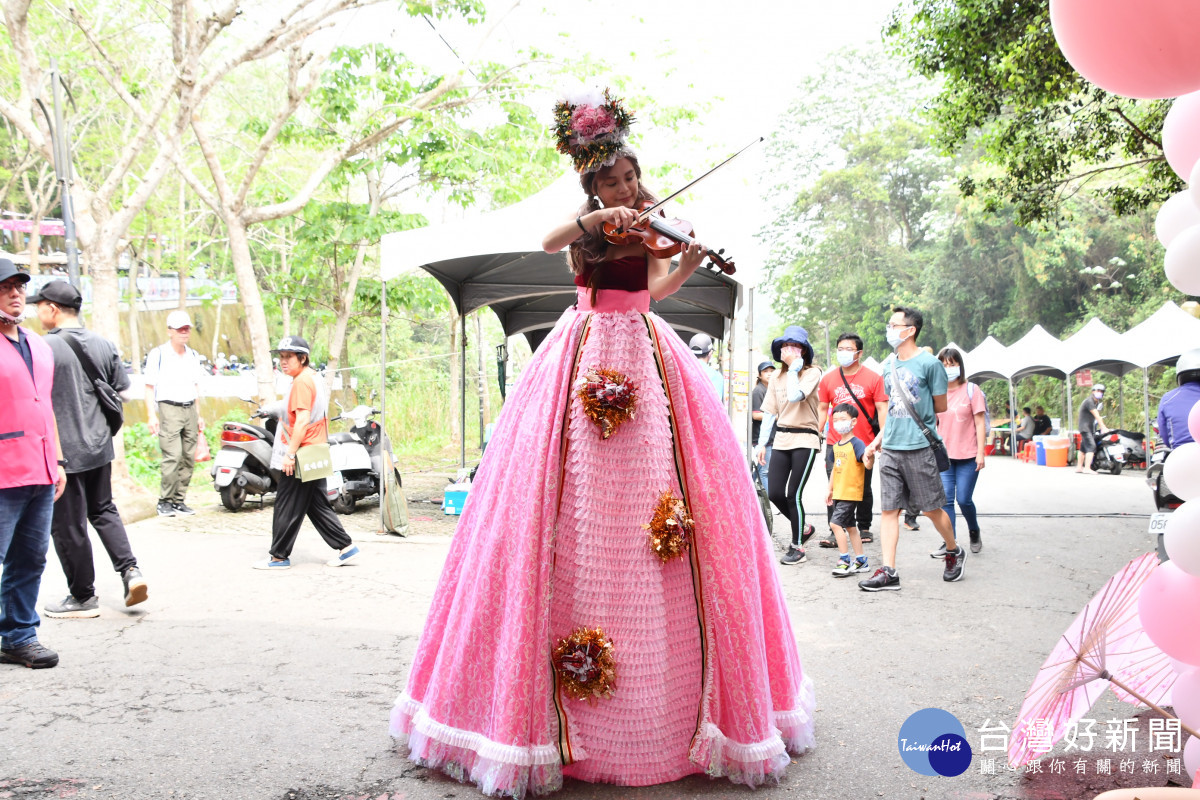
(743,59)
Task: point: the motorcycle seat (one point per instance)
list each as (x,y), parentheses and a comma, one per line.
(341,438)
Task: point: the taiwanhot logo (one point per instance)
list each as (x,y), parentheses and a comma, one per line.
(933,742)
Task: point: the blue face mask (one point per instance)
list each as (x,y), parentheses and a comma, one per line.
(952,373)
(845,358)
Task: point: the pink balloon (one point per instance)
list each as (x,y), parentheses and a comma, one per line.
(1169,609)
(1136,48)
(1185,697)
(1182,263)
(1176,215)
(1194,422)
(1181,134)
(1191,755)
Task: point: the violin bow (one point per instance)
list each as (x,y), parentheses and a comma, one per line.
(645,214)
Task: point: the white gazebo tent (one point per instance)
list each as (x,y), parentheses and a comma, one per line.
(1097,346)
(1160,339)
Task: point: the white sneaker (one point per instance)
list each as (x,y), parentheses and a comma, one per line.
(344,557)
(271,564)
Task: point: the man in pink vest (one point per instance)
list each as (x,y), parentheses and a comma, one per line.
(30,478)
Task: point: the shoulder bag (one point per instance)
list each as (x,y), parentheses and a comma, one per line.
(936,444)
(871,419)
(106,395)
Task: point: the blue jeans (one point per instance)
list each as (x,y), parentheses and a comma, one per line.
(763,468)
(959,483)
(25,514)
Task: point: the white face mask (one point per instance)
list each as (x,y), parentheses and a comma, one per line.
(1098,395)
(952,373)
(845,358)
(843,426)
(893,337)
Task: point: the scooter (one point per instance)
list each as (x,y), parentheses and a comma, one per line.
(1165,502)
(357,457)
(242,467)
(1110,453)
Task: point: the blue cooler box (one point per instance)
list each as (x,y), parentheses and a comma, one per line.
(1041,454)
(454,499)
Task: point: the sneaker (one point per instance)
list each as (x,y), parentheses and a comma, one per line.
(272,564)
(806,534)
(828,541)
(860,564)
(885,579)
(911,526)
(954,564)
(71,608)
(976,541)
(136,590)
(794,555)
(843,568)
(182,510)
(166,508)
(32,654)
(940,552)
(343,557)
(865,537)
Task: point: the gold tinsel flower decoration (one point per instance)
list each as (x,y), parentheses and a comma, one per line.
(608,398)
(585,664)
(671,528)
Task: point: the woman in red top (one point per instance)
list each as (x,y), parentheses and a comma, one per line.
(608,610)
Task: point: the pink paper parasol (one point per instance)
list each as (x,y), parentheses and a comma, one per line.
(1104,644)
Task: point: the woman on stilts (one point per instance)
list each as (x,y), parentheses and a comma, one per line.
(609,610)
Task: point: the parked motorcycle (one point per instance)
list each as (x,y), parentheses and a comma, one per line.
(1110,453)
(242,467)
(358,459)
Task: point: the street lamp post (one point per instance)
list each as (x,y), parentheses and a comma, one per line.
(60,140)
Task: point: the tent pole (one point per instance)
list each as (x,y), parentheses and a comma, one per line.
(462,391)
(383,317)
(1146,408)
(1012,420)
(751,375)
(730,352)
(1066,426)
(1121,402)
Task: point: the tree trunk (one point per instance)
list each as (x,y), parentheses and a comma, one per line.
(455,417)
(256,317)
(485,412)
(135,340)
(106,295)
(181,248)
(346,302)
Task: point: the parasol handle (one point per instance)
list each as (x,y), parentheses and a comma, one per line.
(1108,676)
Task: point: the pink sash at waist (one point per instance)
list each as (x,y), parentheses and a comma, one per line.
(613,300)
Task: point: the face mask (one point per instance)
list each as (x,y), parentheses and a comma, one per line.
(791,350)
(843,427)
(893,338)
(1098,395)
(6,319)
(844,358)
(952,373)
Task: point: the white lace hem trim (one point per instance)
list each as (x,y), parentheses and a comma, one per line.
(420,721)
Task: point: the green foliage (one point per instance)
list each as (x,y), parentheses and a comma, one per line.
(142,455)
(1006,89)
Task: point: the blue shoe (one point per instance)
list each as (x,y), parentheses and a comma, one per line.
(343,557)
(271,563)
(860,564)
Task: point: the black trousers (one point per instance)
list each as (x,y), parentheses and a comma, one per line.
(294,501)
(865,508)
(88,498)
(786,476)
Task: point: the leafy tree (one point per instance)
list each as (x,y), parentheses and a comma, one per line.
(1006,89)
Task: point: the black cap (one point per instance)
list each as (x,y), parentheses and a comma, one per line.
(293,344)
(766,365)
(9,269)
(60,293)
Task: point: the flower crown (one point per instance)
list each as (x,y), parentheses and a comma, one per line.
(592,130)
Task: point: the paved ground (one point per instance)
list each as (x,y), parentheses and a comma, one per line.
(232,683)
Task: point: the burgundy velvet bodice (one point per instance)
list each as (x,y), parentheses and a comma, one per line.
(626,274)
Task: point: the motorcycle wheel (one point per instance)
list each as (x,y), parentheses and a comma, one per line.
(233,496)
(343,504)
(1115,469)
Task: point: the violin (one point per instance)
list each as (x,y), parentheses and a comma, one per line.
(662,237)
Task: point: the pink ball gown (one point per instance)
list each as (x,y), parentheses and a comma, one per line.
(704,674)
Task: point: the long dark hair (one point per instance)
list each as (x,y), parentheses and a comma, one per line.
(589,250)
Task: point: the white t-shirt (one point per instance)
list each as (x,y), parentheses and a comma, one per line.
(173,376)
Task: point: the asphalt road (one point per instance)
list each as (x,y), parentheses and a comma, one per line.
(234,683)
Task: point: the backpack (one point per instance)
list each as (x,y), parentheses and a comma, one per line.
(987,415)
